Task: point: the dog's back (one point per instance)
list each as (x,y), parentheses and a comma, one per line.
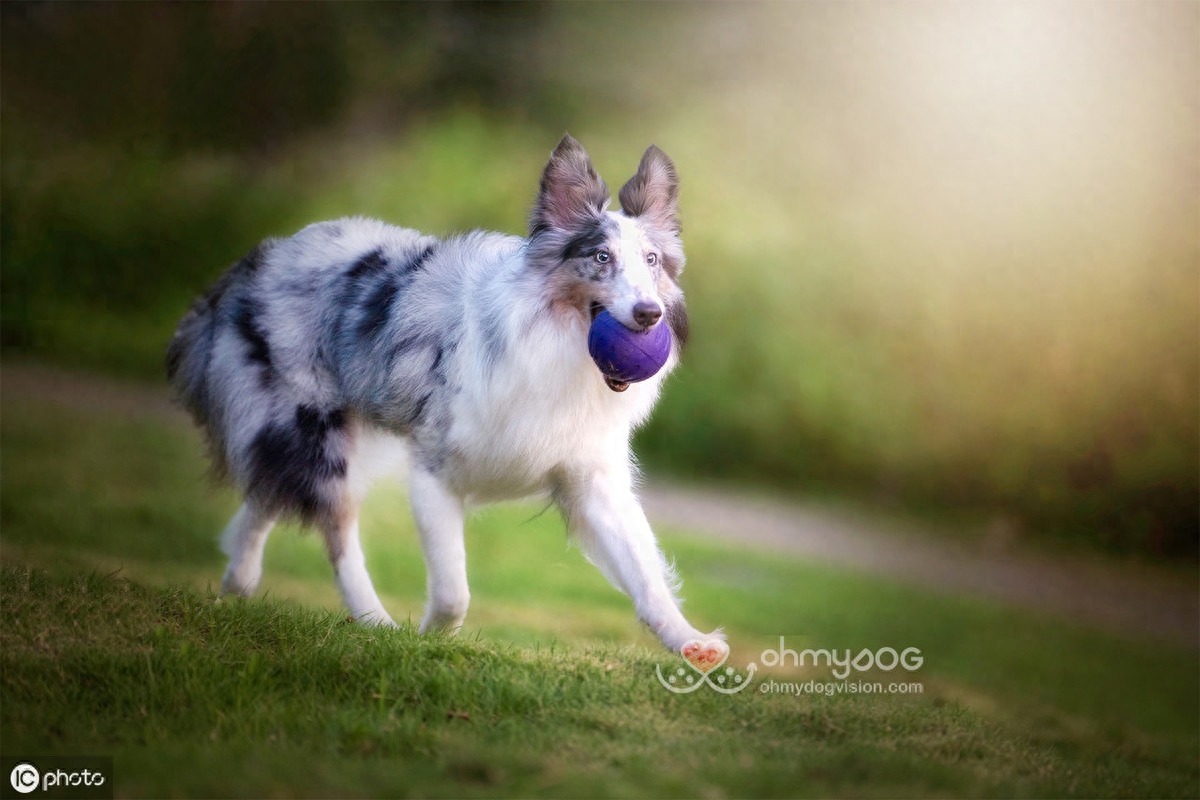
(306,338)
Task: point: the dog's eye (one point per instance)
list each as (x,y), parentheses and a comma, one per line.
(652,258)
(603,257)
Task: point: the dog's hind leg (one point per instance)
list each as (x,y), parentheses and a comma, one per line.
(243,541)
(439,516)
(350,565)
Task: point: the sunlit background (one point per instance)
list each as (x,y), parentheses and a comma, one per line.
(943,257)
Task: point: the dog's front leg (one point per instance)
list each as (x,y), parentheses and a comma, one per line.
(613,532)
(439,516)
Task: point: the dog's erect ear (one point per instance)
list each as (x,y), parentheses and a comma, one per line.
(571,192)
(654,191)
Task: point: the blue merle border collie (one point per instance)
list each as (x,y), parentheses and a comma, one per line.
(315,357)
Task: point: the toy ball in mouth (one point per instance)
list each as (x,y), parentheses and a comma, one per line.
(626,356)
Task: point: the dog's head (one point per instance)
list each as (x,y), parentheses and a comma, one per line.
(626,261)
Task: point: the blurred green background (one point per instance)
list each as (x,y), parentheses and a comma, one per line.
(943,257)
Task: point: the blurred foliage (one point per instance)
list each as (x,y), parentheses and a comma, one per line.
(941,255)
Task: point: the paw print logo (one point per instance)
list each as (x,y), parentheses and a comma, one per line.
(704,662)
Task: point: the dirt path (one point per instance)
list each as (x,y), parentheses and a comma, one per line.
(1138,600)
(1141,601)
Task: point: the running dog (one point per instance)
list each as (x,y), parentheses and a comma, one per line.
(316,355)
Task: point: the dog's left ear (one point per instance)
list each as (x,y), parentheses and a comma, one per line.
(654,191)
(571,192)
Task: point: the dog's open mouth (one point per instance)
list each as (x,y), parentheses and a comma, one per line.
(615,385)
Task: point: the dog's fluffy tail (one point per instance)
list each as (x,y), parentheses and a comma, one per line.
(189,355)
(189,352)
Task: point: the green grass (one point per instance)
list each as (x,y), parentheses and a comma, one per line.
(112,642)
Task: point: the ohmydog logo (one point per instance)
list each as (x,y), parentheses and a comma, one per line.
(885,658)
(705,660)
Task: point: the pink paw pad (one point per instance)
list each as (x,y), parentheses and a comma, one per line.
(705,656)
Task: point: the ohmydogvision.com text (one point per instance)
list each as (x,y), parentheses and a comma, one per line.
(839,687)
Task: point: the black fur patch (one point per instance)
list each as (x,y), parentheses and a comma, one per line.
(201,311)
(419,410)
(291,462)
(377,309)
(258,350)
(250,264)
(585,243)
(677,318)
(440,363)
(369,264)
(418,262)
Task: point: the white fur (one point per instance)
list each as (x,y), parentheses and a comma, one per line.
(244,540)
(354,582)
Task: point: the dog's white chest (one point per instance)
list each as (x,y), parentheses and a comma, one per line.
(534,418)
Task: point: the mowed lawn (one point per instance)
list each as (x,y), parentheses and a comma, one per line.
(113,642)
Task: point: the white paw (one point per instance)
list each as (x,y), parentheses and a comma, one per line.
(378,618)
(241,583)
(441,622)
(446,614)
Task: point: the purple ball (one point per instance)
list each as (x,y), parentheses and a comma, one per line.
(626,356)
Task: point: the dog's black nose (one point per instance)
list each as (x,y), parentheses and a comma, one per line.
(646,313)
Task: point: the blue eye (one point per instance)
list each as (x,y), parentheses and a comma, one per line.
(603,257)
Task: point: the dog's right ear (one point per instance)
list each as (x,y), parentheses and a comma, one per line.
(654,191)
(571,192)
